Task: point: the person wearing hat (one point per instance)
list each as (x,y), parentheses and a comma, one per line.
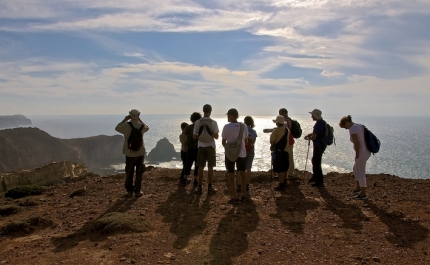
(133,158)
(317,179)
(281,155)
(231,134)
(288,123)
(206,130)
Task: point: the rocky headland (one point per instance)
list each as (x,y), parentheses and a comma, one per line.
(88,220)
(27,148)
(12,121)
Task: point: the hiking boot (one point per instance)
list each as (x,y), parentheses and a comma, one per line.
(360,197)
(211,190)
(239,188)
(199,190)
(195,183)
(356,192)
(138,194)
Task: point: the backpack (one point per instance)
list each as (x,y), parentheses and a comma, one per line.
(249,143)
(296,130)
(205,131)
(328,138)
(372,142)
(232,149)
(280,145)
(135,140)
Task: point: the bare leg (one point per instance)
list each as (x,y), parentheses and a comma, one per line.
(248,175)
(363,191)
(357,186)
(232,182)
(210,174)
(200,180)
(281,177)
(243,182)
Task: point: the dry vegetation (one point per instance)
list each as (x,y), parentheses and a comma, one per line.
(172,225)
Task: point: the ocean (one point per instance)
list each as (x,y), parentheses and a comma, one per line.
(404,150)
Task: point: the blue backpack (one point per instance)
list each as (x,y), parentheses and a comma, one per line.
(372,142)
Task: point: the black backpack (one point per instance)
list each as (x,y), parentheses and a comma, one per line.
(328,138)
(372,142)
(135,140)
(296,130)
(280,145)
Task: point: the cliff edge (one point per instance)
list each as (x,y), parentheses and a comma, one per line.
(27,148)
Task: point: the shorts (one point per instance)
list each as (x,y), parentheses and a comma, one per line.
(249,159)
(240,164)
(281,162)
(206,154)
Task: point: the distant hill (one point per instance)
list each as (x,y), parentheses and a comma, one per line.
(12,121)
(27,148)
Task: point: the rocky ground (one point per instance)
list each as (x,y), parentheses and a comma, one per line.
(87,221)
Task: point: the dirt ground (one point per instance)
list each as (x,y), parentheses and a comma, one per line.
(172,225)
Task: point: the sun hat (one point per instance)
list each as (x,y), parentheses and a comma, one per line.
(134,114)
(316,113)
(279,119)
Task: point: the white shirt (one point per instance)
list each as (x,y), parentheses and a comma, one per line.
(230,133)
(214,129)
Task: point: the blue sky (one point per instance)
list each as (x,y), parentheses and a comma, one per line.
(106,57)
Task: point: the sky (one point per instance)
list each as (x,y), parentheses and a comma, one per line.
(357,57)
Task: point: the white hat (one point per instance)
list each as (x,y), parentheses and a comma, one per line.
(279,119)
(134,114)
(316,113)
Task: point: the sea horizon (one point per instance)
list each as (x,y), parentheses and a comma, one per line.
(402,151)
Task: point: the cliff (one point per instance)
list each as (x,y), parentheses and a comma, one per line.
(11,121)
(45,175)
(27,148)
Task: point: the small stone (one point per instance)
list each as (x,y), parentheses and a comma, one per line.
(122,259)
(376,259)
(133,261)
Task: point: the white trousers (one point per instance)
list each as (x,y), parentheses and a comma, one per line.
(360,168)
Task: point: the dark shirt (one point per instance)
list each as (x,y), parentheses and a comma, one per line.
(191,142)
(319,130)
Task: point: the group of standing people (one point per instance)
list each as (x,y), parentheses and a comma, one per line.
(198,148)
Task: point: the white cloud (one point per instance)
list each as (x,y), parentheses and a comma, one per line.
(328,73)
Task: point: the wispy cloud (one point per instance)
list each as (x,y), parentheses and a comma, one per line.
(175,51)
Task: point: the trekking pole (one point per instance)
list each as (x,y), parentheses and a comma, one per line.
(306,163)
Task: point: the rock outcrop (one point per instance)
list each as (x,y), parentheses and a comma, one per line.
(12,121)
(163,152)
(27,148)
(46,175)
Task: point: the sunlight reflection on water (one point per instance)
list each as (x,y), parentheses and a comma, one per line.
(403,152)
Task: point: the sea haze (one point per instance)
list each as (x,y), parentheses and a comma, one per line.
(404,152)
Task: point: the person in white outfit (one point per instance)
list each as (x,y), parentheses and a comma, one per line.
(362,154)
